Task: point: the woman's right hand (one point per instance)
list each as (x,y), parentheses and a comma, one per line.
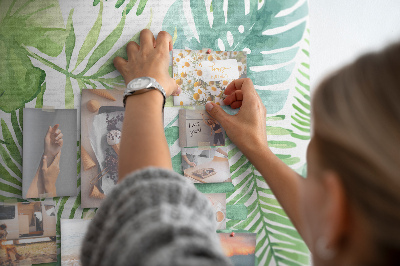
(247,129)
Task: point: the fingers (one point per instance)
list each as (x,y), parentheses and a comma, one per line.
(131,48)
(120,63)
(235,99)
(147,40)
(177,92)
(44,163)
(54,129)
(164,41)
(217,112)
(59,136)
(245,85)
(60,142)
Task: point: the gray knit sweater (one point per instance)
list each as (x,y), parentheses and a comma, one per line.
(153,217)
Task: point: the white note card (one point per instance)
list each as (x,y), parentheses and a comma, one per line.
(218,70)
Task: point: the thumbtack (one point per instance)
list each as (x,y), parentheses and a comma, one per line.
(232,234)
(208,51)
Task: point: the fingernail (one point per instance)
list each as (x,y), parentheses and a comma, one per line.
(44,157)
(179,90)
(209,106)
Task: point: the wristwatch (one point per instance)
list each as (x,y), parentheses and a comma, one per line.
(143,85)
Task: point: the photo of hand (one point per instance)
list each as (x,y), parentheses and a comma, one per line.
(44,182)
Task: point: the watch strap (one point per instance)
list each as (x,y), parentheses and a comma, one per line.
(153,86)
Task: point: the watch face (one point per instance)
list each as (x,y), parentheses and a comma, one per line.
(140,83)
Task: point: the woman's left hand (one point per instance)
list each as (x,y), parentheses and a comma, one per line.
(150,59)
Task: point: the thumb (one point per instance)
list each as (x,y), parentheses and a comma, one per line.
(49,131)
(217,112)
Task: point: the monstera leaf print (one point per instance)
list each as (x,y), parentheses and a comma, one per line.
(26,23)
(91,51)
(260,31)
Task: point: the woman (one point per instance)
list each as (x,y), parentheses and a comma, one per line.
(347,209)
(217,129)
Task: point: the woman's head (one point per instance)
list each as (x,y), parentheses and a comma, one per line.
(356,137)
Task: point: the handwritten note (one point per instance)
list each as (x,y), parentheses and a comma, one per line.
(194,128)
(219,70)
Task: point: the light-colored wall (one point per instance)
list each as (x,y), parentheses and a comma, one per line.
(341,30)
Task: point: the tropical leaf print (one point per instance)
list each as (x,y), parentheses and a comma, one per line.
(273,46)
(23,23)
(262,32)
(89,53)
(129,5)
(270,31)
(302,117)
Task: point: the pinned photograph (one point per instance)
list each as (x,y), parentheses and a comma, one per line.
(206,165)
(27,233)
(72,234)
(239,247)
(204,74)
(49,153)
(218,201)
(102,114)
(198,128)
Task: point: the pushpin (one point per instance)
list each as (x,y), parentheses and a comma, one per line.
(208,51)
(232,234)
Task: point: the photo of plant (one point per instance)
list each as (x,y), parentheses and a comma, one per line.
(49,154)
(203,75)
(206,164)
(218,202)
(72,233)
(239,247)
(28,233)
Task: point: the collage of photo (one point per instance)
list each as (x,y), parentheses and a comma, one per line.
(52,148)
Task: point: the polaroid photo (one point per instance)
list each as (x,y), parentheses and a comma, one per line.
(206,164)
(28,233)
(49,153)
(204,74)
(102,114)
(72,234)
(218,202)
(198,128)
(239,248)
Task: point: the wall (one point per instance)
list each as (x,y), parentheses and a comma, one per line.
(341,30)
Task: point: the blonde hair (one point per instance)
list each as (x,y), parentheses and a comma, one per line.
(356,114)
